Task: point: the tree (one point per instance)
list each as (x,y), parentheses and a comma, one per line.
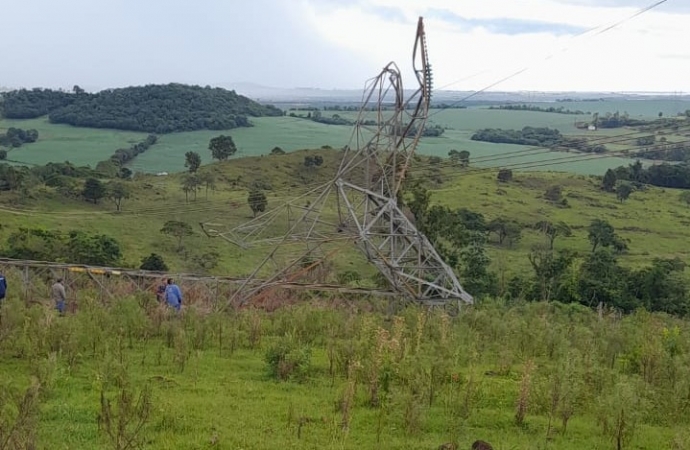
(419,206)
(660,287)
(549,268)
(464,157)
(553,230)
(11,178)
(608,183)
(623,191)
(153,262)
(124,173)
(177,229)
(97,249)
(3,155)
(505,229)
(257,201)
(94,190)
(601,280)
(313,161)
(192,161)
(601,233)
(191,183)
(117,191)
(460,157)
(209,181)
(277,151)
(505,175)
(474,271)
(222,147)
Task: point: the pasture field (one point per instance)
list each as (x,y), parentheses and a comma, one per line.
(655,220)
(60,143)
(84,146)
(323,375)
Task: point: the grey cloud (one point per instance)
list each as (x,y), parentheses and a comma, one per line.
(505,25)
(125,42)
(670,6)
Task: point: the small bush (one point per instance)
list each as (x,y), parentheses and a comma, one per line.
(288,360)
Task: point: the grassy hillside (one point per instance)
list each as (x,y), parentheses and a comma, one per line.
(655,221)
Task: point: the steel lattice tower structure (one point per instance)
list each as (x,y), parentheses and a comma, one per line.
(359,205)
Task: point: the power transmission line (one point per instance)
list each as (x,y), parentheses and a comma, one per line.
(550,56)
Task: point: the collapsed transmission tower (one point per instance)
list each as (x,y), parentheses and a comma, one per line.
(360,204)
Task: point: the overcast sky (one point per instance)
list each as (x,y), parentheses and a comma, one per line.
(340,43)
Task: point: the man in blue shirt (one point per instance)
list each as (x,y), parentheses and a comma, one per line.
(173,295)
(3,287)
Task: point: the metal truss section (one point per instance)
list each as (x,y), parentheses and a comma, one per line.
(360,203)
(400,252)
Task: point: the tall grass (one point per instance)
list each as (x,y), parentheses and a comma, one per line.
(123,375)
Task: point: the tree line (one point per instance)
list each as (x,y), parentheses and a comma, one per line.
(676,176)
(537,137)
(315,115)
(663,151)
(534,108)
(115,165)
(533,136)
(77,247)
(152,108)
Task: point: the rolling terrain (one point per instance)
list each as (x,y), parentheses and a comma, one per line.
(654,220)
(338,373)
(88,146)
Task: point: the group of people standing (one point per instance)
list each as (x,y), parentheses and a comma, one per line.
(169,293)
(166,293)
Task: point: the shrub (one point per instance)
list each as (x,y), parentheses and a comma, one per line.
(288,360)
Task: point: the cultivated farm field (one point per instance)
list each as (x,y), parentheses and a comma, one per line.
(84,146)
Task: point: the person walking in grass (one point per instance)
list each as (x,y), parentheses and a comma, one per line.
(3,292)
(59,296)
(3,287)
(173,295)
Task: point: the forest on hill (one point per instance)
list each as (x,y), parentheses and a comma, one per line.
(152,108)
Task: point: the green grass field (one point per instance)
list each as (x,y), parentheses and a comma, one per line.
(59,143)
(82,146)
(320,376)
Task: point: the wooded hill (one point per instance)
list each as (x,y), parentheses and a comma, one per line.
(152,108)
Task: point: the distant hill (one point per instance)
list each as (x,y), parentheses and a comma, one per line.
(312,96)
(151,108)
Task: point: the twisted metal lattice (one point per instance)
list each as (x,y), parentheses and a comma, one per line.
(360,203)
